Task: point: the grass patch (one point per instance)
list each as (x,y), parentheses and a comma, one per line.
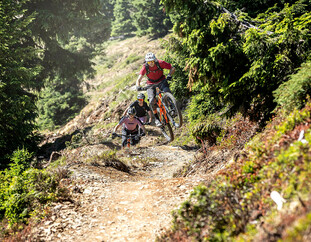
(131,59)
(108,159)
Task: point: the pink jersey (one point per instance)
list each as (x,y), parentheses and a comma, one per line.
(131,125)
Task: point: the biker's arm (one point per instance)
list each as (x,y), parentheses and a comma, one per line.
(140,77)
(150,116)
(141,126)
(116,128)
(125,111)
(172,71)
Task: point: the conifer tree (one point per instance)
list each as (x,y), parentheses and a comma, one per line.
(150,18)
(123,22)
(40,45)
(18,67)
(68,31)
(235,60)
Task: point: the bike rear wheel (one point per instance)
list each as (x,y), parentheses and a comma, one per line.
(167,132)
(173,110)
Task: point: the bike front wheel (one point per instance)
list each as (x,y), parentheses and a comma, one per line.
(167,132)
(173,110)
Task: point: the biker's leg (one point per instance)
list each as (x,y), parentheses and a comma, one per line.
(124,138)
(151,97)
(164,86)
(152,103)
(143,121)
(136,138)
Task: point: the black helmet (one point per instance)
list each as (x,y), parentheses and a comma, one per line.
(131,111)
(141,96)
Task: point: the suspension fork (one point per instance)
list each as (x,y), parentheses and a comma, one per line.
(161,105)
(163,108)
(168,115)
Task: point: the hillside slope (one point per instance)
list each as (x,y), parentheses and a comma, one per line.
(128,195)
(132,197)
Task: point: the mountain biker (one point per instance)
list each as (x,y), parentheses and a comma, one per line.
(130,126)
(142,109)
(153,68)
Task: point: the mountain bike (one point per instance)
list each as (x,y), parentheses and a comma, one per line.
(168,112)
(131,139)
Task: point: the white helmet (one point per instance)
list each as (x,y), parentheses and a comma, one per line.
(150,57)
(131,111)
(141,96)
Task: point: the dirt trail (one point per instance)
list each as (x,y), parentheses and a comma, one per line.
(111,205)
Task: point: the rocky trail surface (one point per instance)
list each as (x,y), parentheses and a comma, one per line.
(111,205)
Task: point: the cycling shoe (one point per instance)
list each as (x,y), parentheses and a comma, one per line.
(157,123)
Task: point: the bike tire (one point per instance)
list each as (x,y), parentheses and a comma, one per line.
(171,105)
(167,132)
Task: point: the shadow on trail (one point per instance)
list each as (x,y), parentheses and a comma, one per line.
(186,147)
(111,145)
(59,143)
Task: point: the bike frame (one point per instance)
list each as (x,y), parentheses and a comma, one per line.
(161,105)
(128,140)
(165,117)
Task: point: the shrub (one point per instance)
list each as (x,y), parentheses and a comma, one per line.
(109,159)
(23,189)
(293,93)
(213,212)
(227,208)
(207,130)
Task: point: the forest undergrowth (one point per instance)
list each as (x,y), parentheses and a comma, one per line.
(237,204)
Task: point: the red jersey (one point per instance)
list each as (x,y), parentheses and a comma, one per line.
(155,73)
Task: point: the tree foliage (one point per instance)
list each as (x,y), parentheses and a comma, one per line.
(150,18)
(57,106)
(241,60)
(292,94)
(42,46)
(140,17)
(123,22)
(174,55)
(55,23)
(19,65)
(66,32)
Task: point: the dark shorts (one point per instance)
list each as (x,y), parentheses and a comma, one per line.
(124,138)
(151,91)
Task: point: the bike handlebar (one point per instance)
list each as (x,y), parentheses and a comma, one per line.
(126,135)
(148,86)
(143,88)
